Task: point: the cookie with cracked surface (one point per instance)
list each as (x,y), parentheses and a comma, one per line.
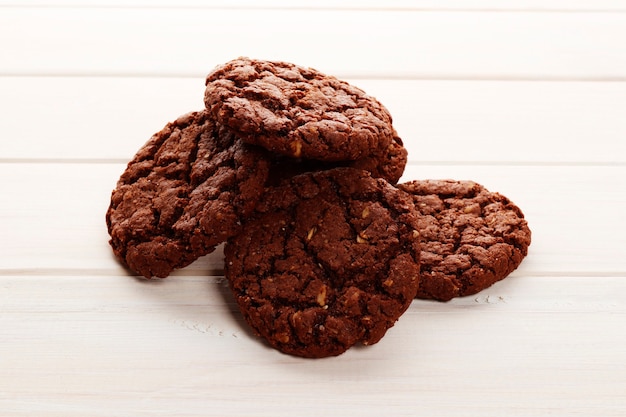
(297,111)
(471,237)
(329,259)
(183,193)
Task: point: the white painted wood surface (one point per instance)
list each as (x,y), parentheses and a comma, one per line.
(528,98)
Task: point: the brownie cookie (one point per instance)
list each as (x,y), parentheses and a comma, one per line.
(329,259)
(471,237)
(184,192)
(297,111)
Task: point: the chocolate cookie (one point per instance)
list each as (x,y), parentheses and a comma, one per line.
(329,259)
(297,111)
(184,193)
(471,237)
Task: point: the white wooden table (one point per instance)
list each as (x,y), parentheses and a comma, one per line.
(527,98)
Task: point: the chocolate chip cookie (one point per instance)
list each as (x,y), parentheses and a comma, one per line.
(329,259)
(183,193)
(471,237)
(297,111)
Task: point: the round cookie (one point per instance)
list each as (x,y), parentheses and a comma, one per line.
(297,111)
(183,193)
(329,259)
(471,237)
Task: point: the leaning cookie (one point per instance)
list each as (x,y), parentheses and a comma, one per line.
(471,237)
(184,192)
(329,259)
(297,111)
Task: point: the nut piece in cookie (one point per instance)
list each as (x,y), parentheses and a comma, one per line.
(471,237)
(329,259)
(183,193)
(297,111)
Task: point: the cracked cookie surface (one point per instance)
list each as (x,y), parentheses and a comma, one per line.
(297,111)
(329,259)
(471,237)
(182,194)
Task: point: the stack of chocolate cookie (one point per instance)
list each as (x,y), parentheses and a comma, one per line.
(296,172)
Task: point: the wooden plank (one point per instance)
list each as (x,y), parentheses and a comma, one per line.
(527,346)
(440,121)
(100,118)
(52,216)
(479,5)
(402,43)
